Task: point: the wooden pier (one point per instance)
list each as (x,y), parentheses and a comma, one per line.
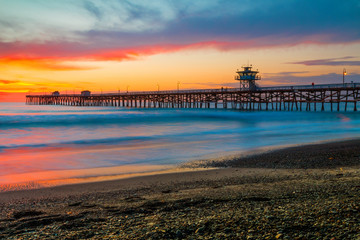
(330,97)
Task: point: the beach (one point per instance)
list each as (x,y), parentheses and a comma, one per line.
(302,192)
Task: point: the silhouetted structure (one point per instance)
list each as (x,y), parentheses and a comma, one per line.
(247,78)
(86,93)
(248,97)
(294,98)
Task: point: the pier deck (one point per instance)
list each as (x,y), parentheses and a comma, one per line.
(332,97)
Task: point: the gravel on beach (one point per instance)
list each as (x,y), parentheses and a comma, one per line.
(296,193)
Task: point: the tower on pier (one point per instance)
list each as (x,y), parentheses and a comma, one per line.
(247,78)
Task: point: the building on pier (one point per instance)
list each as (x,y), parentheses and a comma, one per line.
(247,78)
(85,93)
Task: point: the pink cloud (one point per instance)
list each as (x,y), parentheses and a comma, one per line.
(55,56)
(330,62)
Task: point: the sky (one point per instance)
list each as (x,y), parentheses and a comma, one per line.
(138,45)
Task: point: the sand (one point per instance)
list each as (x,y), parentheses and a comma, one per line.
(305,192)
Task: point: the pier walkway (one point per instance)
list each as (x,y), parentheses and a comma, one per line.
(332,97)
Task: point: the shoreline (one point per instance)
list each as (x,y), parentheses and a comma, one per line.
(310,191)
(248,159)
(325,154)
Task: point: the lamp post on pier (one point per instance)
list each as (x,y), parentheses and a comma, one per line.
(344,73)
(178,85)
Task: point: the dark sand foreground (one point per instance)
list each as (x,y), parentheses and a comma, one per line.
(309,192)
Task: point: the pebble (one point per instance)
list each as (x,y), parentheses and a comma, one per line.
(307,207)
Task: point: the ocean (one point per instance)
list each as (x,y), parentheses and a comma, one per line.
(44,146)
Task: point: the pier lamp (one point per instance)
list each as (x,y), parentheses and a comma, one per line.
(158,87)
(344,73)
(178,85)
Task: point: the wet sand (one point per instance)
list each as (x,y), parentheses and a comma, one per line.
(307,192)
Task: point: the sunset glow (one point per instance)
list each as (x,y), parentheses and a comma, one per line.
(118,45)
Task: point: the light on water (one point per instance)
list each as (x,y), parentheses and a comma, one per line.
(55,143)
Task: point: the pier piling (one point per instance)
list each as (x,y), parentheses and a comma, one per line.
(290,98)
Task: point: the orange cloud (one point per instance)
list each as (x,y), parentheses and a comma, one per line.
(47,61)
(44,59)
(28,83)
(17,86)
(42,64)
(47,58)
(8,81)
(53,57)
(138,52)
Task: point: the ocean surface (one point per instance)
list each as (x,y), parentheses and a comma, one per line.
(51,145)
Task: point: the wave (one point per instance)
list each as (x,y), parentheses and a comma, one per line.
(89,118)
(46,138)
(81,143)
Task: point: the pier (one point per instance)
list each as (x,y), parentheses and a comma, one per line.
(333,97)
(249,96)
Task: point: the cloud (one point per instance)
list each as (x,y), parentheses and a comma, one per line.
(266,22)
(120,30)
(291,79)
(285,73)
(27,85)
(8,81)
(139,51)
(179,21)
(53,56)
(42,64)
(329,62)
(42,20)
(331,78)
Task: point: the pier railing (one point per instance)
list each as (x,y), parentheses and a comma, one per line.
(222,90)
(317,86)
(309,97)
